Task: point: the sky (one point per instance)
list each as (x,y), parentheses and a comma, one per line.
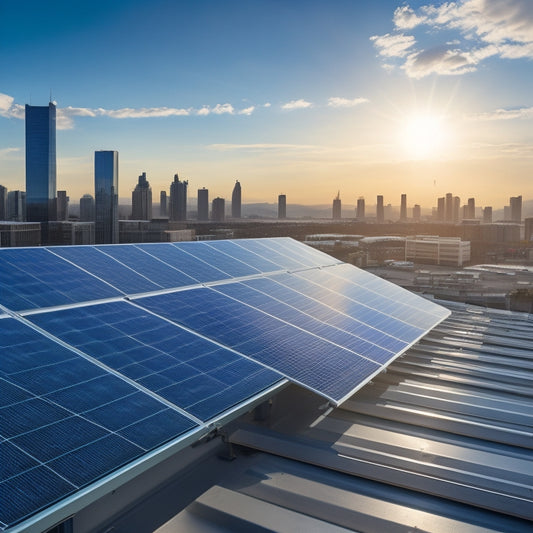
(303,98)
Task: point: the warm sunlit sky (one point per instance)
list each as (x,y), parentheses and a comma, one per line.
(297,97)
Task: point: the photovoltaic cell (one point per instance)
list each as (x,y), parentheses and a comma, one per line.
(140,260)
(258,247)
(104,267)
(179,366)
(298,354)
(58,410)
(33,278)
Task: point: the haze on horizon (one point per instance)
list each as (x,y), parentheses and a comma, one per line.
(302,98)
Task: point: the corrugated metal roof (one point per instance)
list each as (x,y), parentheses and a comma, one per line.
(442,441)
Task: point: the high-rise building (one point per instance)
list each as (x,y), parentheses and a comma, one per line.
(86,208)
(141,200)
(16,206)
(337,207)
(417,212)
(528,229)
(106,196)
(441,210)
(178,199)
(471,208)
(403,208)
(448,208)
(163,212)
(487,215)
(236,201)
(62,205)
(380,210)
(41,164)
(360,213)
(203,204)
(456,209)
(282,206)
(515,203)
(3,202)
(218,210)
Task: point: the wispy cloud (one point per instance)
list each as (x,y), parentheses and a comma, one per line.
(393,45)
(6,152)
(247,111)
(336,101)
(296,104)
(505,114)
(260,147)
(486,28)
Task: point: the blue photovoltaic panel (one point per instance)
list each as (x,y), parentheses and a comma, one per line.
(173,255)
(333,326)
(65,422)
(238,250)
(305,254)
(185,369)
(33,278)
(328,368)
(348,282)
(147,265)
(230,265)
(259,247)
(106,268)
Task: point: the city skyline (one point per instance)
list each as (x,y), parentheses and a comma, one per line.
(420,98)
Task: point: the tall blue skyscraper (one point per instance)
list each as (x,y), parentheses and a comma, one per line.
(203,204)
(236,201)
(41,163)
(106,196)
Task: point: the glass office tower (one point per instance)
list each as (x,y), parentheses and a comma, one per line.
(41,163)
(106,196)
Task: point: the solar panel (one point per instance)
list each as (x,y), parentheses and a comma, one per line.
(126,364)
(33,277)
(62,422)
(191,372)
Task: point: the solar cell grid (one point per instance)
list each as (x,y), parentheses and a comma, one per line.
(238,250)
(104,267)
(157,354)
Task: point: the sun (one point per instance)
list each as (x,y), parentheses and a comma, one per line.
(424,136)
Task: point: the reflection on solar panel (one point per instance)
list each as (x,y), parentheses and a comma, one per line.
(111,351)
(65,422)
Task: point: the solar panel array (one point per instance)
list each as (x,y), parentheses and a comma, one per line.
(110,351)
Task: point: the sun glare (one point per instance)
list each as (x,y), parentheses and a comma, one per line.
(424,137)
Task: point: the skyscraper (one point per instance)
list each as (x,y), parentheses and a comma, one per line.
(417,211)
(86,208)
(163,212)
(62,205)
(471,208)
(360,208)
(448,209)
(236,201)
(282,206)
(178,199)
(218,210)
(487,215)
(403,208)
(441,209)
(3,202)
(141,200)
(41,164)
(456,208)
(106,196)
(203,204)
(337,207)
(515,203)
(380,210)
(16,206)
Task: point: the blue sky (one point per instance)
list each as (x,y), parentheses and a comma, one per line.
(301,97)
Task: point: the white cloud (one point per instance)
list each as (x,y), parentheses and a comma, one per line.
(6,102)
(405,18)
(393,45)
(143,112)
(502,28)
(506,114)
(268,104)
(260,147)
(5,152)
(336,101)
(247,111)
(296,104)
(221,109)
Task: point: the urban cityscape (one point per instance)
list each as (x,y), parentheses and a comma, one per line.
(266,266)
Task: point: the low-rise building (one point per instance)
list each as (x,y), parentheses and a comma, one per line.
(435,250)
